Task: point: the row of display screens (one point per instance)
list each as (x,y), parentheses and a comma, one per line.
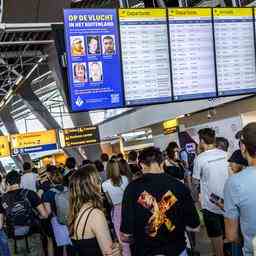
(136,57)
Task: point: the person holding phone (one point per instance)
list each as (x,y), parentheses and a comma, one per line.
(211,171)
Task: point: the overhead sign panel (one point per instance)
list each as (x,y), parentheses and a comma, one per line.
(146,66)
(192,53)
(170,126)
(235,50)
(94,62)
(4,146)
(33,142)
(81,136)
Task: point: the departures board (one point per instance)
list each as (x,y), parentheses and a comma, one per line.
(135,57)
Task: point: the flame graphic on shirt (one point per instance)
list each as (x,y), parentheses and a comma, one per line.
(158,211)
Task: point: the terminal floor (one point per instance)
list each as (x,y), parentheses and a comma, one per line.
(203,243)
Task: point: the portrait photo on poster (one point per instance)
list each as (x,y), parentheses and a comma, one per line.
(93,45)
(95,71)
(77,45)
(108,44)
(80,72)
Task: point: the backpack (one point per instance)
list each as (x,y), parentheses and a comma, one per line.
(61,199)
(19,211)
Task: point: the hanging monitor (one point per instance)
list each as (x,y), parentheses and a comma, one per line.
(192,53)
(145,53)
(94,62)
(235,51)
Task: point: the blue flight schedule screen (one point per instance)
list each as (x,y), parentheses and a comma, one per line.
(94,61)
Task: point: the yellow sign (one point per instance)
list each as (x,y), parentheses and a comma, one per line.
(170,126)
(33,139)
(227,12)
(4,146)
(142,13)
(190,12)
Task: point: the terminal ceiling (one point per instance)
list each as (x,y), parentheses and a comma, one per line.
(25,33)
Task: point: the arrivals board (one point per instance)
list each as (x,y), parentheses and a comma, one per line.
(4,146)
(235,50)
(192,53)
(145,54)
(93,55)
(33,142)
(81,136)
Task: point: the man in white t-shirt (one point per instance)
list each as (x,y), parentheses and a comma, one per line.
(211,170)
(28,179)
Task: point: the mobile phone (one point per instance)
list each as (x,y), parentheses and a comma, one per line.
(216,199)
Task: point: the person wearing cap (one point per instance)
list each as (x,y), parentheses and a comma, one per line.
(237,162)
(239,194)
(77,47)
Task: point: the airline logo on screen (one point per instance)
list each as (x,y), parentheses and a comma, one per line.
(79,101)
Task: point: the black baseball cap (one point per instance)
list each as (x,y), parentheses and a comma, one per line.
(238,158)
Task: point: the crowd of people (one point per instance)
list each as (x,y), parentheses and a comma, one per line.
(147,205)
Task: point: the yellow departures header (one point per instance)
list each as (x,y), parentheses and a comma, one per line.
(222,12)
(142,13)
(189,12)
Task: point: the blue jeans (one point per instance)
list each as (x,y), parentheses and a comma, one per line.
(4,248)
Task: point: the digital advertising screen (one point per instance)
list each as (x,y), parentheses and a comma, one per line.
(235,51)
(145,53)
(192,53)
(94,61)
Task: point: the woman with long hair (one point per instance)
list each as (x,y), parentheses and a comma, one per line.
(114,188)
(87,223)
(125,169)
(173,165)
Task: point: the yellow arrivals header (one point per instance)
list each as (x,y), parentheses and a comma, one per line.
(4,146)
(32,139)
(142,13)
(190,12)
(222,12)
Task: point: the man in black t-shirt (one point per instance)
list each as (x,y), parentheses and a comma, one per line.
(156,210)
(19,206)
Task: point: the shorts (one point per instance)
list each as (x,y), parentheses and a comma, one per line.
(214,223)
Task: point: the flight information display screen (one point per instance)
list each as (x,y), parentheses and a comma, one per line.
(94,62)
(192,53)
(235,50)
(145,54)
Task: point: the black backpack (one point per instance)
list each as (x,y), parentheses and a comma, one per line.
(18,211)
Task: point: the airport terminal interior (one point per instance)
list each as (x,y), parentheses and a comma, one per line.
(127,127)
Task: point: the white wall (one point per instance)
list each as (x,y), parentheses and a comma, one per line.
(248,117)
(227,128)
(146,116)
